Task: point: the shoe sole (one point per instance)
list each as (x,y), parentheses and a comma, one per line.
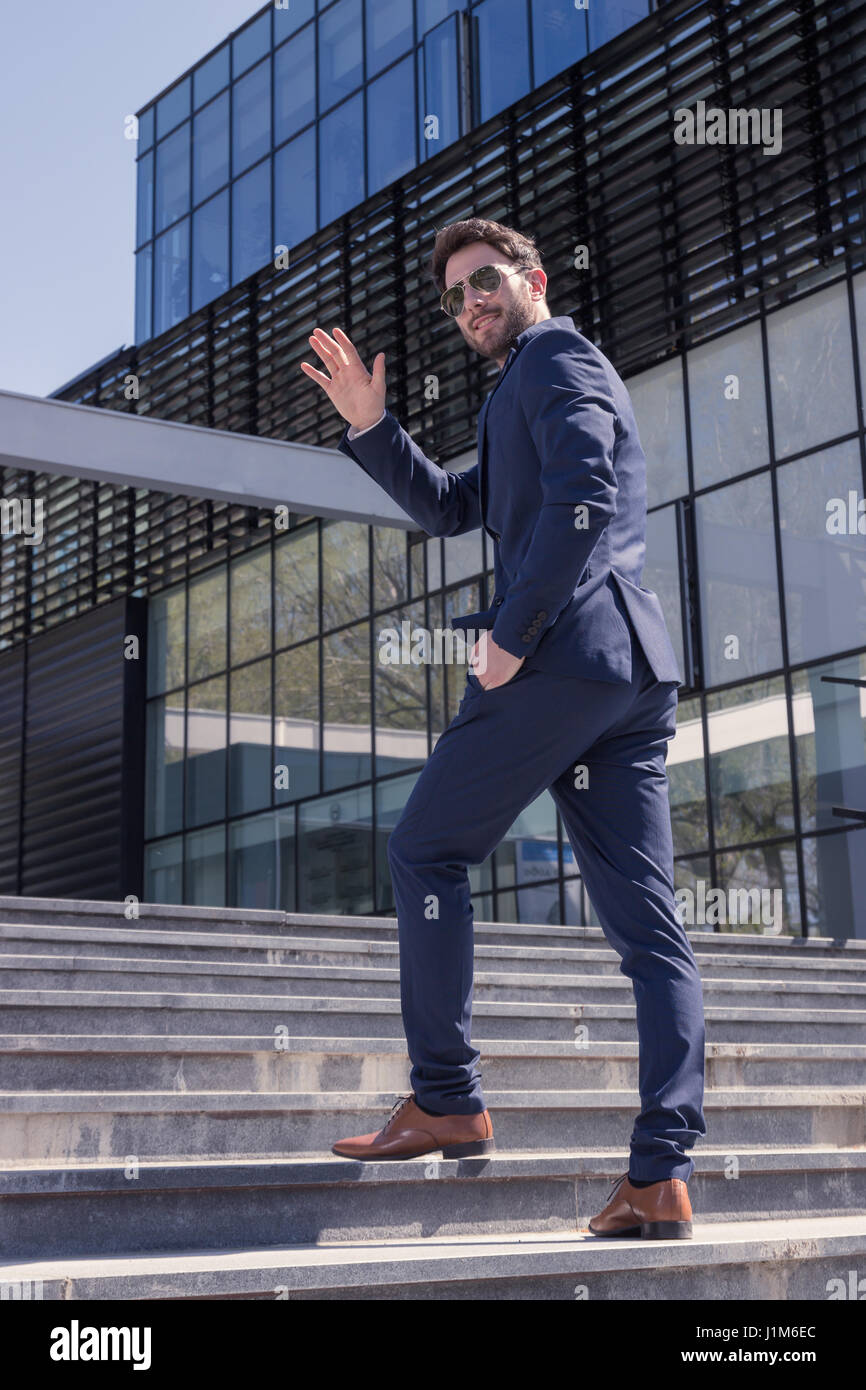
(651,1230)
(473,1148)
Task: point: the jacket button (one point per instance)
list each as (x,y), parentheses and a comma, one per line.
(496,536)
(497,601)
(541,616)
(526,637)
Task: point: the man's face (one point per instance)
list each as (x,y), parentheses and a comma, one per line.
(490,323)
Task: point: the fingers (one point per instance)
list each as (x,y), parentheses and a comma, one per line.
(316,376)
(328,348)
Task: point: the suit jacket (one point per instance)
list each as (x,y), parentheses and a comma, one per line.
(560,486)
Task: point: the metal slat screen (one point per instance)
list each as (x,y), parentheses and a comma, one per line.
(684,242)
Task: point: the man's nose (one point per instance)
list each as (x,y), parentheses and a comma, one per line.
(472,298)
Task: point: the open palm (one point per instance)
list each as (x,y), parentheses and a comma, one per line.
(357,394)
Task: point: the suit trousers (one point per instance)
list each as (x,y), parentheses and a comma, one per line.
(600,748)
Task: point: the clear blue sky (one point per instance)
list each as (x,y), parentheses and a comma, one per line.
(69,74)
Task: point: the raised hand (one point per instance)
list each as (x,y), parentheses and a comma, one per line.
(351,389)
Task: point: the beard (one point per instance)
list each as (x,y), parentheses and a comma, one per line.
(500,337)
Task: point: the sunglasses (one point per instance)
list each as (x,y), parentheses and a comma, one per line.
(486,278)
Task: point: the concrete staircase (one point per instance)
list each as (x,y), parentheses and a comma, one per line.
(171,1087)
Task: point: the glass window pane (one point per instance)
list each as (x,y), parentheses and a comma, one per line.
(659,409)
(811,370)
(296,586)
(401,690)
(347,732)
(210,149)
(206,868)
(206,752)
(295,190)
(738,583)
(294,84)
(761,890)
(250,773)
(440,89)
(750,766)
(172,178)
(528,853)
(163,781)
(688,792)
(463,557)
(432,12)
(728,406)
(250,605)
(611,18)
(662,573)
(289,15)
(212,76)
(210,250)
(163,872)
(345,572)
(830,734)
(502,50)
(389,567)
(835,868)
(859,284)
(251,222)
(172,277)
(145,130)
(207,624)
(143,294)
(558,37)
(251,43)
(391,125)
(341,160)
(144,200)
(172,108)
(251,118)
(389,32)
(166,639)
(823,552)
(262,862)
(296,722)
(335,854)
(340,50)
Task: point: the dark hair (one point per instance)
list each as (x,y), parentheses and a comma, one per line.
(513,245)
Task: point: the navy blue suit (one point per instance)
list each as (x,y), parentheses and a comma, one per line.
(560,486)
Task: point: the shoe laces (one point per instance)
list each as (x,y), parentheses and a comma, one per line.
(616,1185)
(398,1105)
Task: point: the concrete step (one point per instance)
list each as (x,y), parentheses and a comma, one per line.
(56,1127)
(87,943)
(135,1012)
(64,912)
(111,1062)
(119,1209)
(803,1259)
(97,973)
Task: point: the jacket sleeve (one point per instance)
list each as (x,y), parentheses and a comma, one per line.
(572,418)
(439,502)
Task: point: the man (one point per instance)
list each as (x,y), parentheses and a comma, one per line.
(573,688)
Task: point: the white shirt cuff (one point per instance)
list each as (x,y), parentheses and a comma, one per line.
(353,433)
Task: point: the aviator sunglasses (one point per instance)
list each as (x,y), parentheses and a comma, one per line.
(486,278)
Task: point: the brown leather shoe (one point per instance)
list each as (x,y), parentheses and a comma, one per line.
(660,1212)
(409,1132)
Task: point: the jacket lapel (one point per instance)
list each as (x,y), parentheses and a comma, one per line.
(482,437)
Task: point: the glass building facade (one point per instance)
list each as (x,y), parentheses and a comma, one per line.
(306,111)
(729,289)
(281,748)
